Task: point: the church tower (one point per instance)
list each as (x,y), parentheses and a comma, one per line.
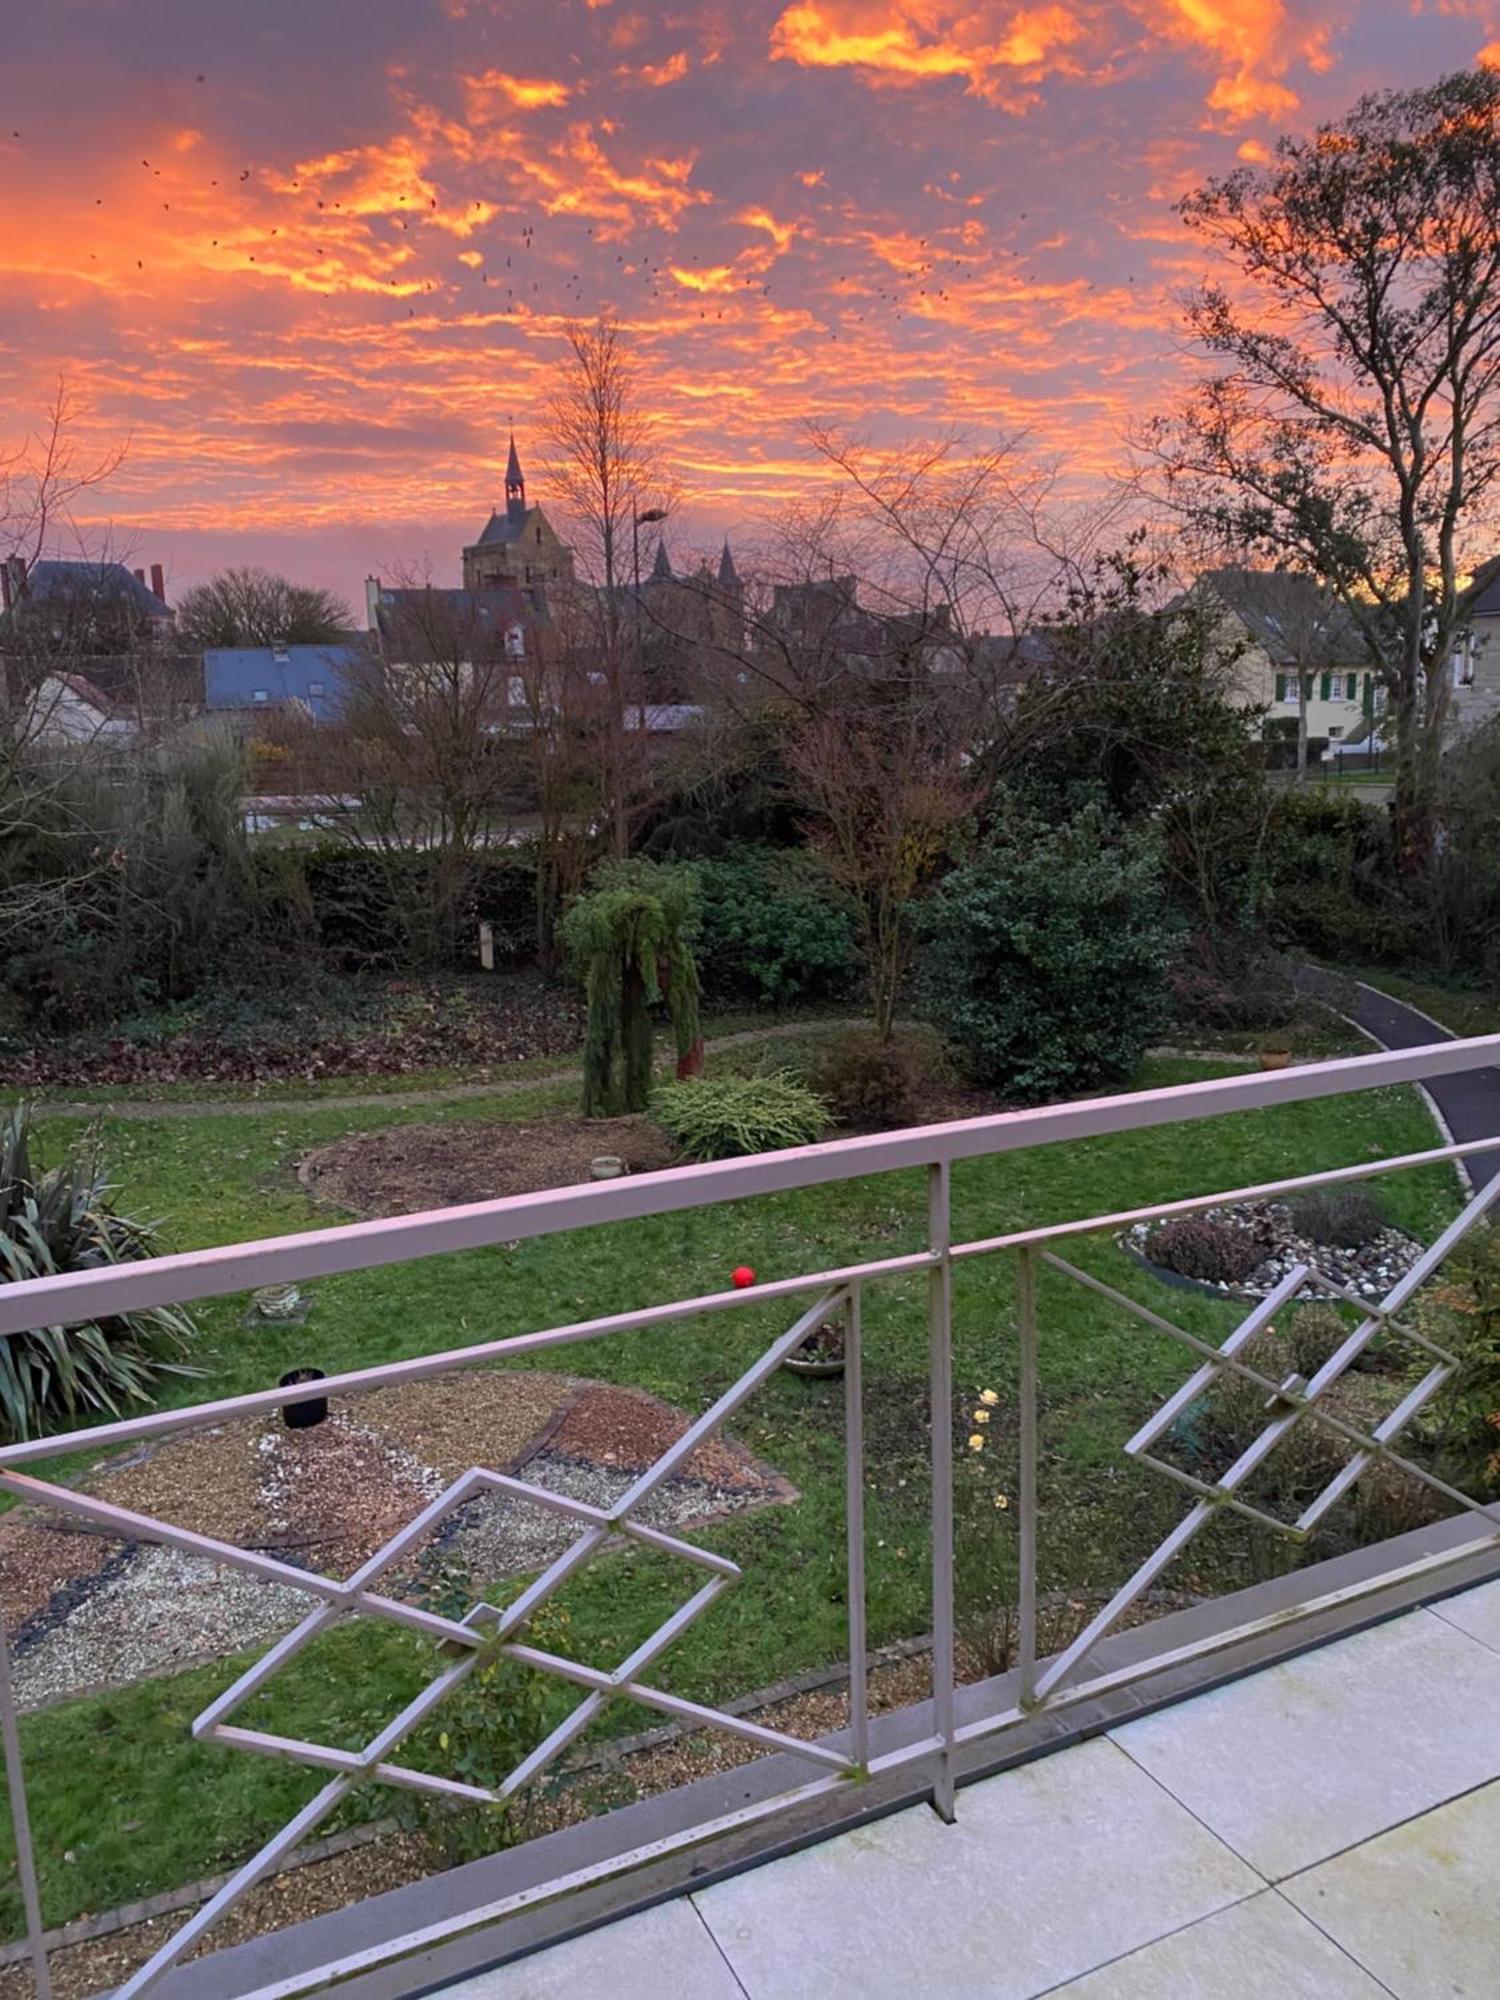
(517,547)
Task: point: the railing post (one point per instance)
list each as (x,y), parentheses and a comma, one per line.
(20,1820)
(854,1520)
(1026,1497)
(940,1365)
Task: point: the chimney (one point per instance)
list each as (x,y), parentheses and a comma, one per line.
(139,575)
(158,582)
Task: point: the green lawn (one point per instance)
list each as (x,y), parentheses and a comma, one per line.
(116,1782)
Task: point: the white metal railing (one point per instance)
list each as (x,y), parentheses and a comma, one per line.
(1043,1684)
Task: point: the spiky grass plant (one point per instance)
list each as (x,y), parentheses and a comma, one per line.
(62,1218)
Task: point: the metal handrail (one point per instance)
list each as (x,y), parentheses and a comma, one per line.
(1063,1681)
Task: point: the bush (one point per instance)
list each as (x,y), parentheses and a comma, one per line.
(1334,885)
(355,909)
(136,874)
(866,1081)
(771,930)
(1213,1252)
(63,1219)
(1346,1218)
(1314,1332)
(1044,960)
(720,1118)
(1233,980)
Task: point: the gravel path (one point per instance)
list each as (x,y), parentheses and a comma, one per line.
(374,1100)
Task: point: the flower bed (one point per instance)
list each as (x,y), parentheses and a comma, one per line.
(1369,1271)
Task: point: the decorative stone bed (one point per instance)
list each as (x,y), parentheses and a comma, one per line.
(87,1611)
(1369,1272)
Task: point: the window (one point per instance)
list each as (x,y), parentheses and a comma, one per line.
(1335,729)
(315,688)
(261,694)
(539,534)
(1463,661)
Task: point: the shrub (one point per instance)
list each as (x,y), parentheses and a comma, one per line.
(630,940)
(1313,1333)
(355,908)
(1044,959)
(866,1081)
(1213,1252)
(1346,1218)
(771,930)
(63,1219)
(1232,980)
(720,1118)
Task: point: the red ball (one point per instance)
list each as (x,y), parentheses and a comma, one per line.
(743,1276)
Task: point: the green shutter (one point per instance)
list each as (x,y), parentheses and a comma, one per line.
(1327,687)
(1351,687)
(1281,687)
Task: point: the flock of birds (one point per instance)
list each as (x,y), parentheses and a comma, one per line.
(931,281)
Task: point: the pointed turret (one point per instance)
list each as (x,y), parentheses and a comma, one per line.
(515,485)
(661,569)
(729,577)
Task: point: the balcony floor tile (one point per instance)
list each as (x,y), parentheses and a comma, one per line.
(1418,1906)
(1259,1950)
(1294,1764)
(1050,1870)
(1476,1612)
(661,1951)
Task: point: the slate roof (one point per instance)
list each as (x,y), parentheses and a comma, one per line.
(1268,602)
(105,580)
(1482,598)
(495,609)
(505,528)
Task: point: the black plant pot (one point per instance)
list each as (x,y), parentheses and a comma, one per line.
(303,1416)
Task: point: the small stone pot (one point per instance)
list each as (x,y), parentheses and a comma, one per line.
(1275,1058)
(819,1364)
(312,1410)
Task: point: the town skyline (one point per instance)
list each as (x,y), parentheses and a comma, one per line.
(312,298)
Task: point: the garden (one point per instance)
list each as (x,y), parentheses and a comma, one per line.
(126,1805)
(223,1042)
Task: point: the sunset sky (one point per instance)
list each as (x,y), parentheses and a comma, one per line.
(311,258)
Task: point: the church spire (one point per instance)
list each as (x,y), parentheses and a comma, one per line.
(515,484)
(661,569)
(729,576)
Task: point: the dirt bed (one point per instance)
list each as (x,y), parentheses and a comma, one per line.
(87,1612)
(408,1168)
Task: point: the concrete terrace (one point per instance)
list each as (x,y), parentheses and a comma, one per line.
(1325,1829)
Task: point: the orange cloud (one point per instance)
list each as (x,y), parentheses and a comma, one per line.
(494,86)
(654,75)
(1256,42)
(925,38)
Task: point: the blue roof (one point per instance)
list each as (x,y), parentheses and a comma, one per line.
(265,676)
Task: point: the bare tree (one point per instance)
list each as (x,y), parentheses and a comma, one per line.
(43,477)
(604,460)
(1351,424)
(422,759)
(255,607)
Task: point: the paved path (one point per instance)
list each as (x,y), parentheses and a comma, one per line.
(1323,1830)
(1469,1103)
(372,1100)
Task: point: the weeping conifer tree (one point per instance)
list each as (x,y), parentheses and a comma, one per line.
(630,939)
